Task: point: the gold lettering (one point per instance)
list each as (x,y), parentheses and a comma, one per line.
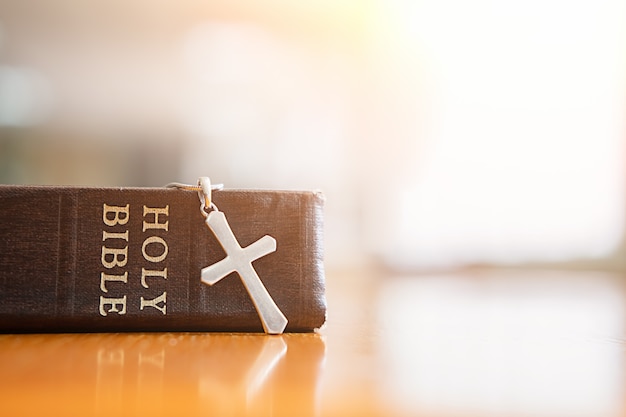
(105,277)
(114,303)
(154,249)
(157,241)
(110,235)
(150,273)
(156,211)
(155,302)
(116,211)
(118,257)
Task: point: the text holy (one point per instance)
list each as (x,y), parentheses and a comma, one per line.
(114,259)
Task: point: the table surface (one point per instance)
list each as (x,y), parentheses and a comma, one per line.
(469,343)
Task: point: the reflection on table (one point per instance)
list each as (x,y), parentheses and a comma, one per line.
(159,374)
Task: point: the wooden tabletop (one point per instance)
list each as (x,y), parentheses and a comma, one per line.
(472,343)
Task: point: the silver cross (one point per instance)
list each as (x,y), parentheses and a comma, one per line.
(240,260)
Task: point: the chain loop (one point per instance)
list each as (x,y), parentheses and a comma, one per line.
(204,189)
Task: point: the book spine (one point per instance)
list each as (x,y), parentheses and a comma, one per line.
(87,259)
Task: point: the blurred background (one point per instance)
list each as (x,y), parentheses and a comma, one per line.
(444,133)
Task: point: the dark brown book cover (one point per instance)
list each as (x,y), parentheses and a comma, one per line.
(78,259)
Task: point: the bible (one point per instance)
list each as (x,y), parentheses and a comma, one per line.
(80,259)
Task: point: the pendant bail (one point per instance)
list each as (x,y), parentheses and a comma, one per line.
(204,193)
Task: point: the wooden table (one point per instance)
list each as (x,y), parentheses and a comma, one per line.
(472,343)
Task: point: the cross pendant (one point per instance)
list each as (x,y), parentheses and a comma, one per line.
(240,260)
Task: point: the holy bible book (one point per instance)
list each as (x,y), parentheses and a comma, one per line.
(131,259)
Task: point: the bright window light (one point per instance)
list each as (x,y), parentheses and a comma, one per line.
(524,159)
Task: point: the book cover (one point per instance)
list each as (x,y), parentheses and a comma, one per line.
(78,259)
